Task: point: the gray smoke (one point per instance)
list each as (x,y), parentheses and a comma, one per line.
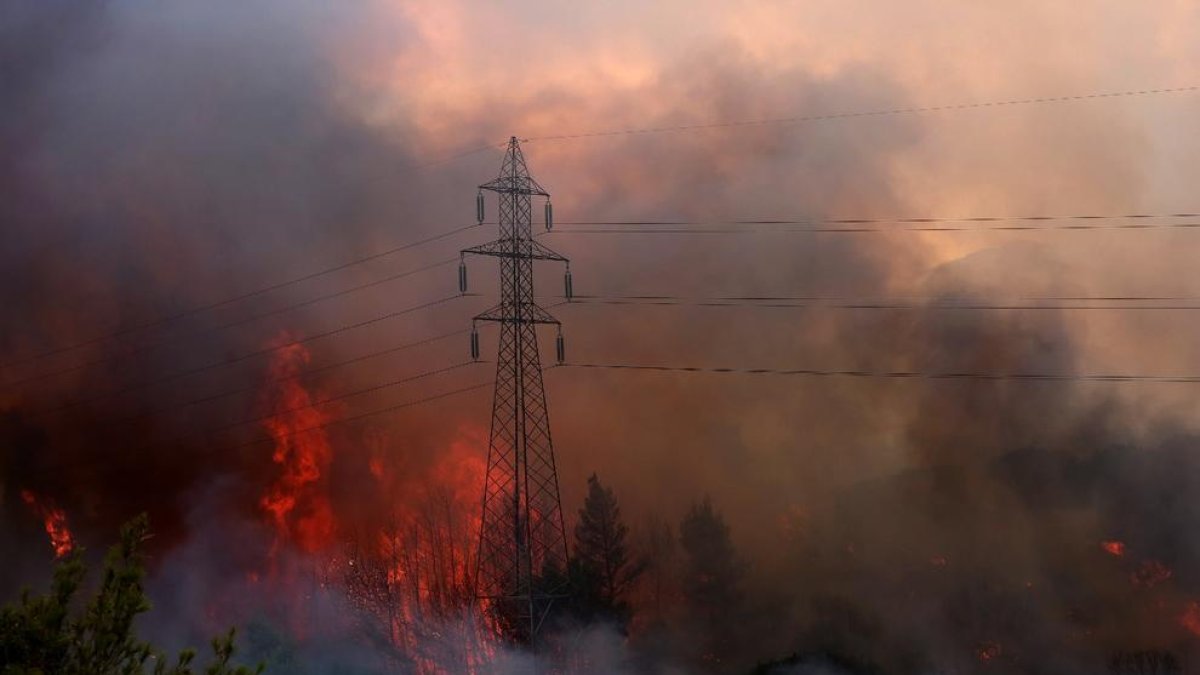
(159,158)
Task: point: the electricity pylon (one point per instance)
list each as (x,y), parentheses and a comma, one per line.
(521,568)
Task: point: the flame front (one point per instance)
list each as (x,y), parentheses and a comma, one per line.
(54,520)
(409,573)
(297,502)
(415,577)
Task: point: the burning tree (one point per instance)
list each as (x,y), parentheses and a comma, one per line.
(412,581)
(54,520)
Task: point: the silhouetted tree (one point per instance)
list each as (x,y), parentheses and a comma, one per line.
(662,567)
(53,634)
(602,571)
(1144,663)
(711,576)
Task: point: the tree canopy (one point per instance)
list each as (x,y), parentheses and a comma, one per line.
(603,571)
(56,634)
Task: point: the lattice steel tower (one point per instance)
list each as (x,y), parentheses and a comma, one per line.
(521,569)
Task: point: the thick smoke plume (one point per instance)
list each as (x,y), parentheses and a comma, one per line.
(158,159)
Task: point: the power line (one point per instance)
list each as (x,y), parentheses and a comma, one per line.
(903,298)
(210,330)
(745,227)
(660,230)
(247,389)
(313,405)
(442,159)
(237,298)
(877,221)
(362,416)
(780,302)
(261,352)
(457,155)
(897,374)
(346,420)
(868,113)
(241,390)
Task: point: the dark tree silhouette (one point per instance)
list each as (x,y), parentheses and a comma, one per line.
(1144,663)
(711,576)
(602,570)
(54,634)
(661,582)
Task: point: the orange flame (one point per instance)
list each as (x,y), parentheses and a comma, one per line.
(54,520)
(1113,547)
(298,506)
(423,562)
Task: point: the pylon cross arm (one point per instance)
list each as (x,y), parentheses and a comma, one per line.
(522,185)
(520,248)
(530,313)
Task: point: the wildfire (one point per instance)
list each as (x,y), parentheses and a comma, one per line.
(297,504)
(416,577)
(1150,574)
(410,572)
(54,520)
(795,523)
(1190,619)
(1113,547)
(989,651)
(375,464)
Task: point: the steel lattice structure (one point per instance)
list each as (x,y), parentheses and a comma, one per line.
(521,568)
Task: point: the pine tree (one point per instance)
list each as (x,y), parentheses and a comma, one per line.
(711,576)
(43,635)
(602,569)
(662,565)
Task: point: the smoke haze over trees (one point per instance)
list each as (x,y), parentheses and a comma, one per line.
(604,570)
(160,158)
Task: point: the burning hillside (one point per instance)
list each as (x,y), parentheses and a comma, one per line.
(871,364)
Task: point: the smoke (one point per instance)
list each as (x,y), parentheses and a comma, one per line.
(161,158)
(165,158)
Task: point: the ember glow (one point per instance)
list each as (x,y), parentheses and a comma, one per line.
(54,520)
(1113,547)
(1190,619)
(1151,573)
(989,651)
